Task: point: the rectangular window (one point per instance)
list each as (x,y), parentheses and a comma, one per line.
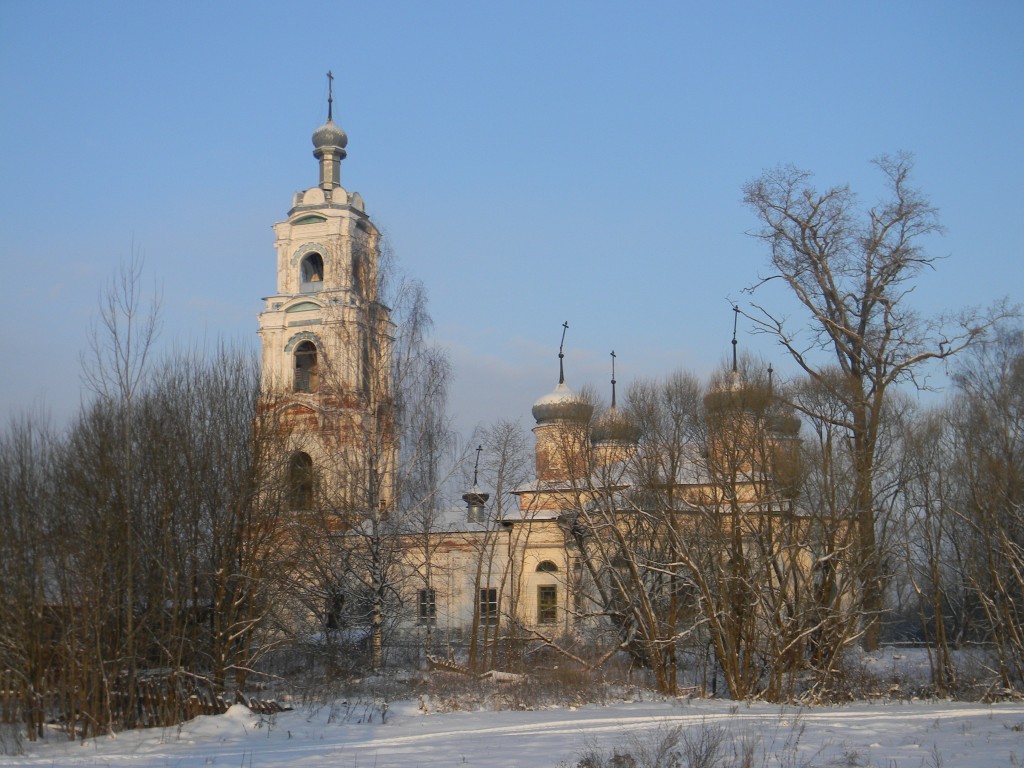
(488,605)
(427,607)
(547,604)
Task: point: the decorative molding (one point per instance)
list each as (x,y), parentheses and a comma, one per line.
(300,337)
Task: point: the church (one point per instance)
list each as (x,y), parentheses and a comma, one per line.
(583,540)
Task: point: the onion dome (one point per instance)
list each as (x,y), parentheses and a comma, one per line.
(561,404)
(613,426)
(329,135)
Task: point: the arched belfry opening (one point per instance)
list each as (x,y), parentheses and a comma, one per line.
(300,482)
(307,368)
(311,273)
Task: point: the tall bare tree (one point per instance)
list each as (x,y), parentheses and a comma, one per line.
(852,271)
(121,345)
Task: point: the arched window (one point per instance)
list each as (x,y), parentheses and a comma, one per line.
(300,481)
(307,377)
(311,273)
(546,566)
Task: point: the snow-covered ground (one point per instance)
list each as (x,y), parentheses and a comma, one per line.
(888,735)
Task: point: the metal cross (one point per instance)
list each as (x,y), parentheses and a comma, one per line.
(479,450)
(330,94)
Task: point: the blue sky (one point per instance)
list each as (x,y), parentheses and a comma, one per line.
(531,162)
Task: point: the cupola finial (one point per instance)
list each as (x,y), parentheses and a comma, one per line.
(330,95)
(613,378)
(475,498)
(476,466)
(329,143)
(561,354)
(735,320)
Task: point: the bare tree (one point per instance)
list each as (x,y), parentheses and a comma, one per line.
(382,444)
(151,548)
(824,496)
(935,541)
(852,271)
(198,573)
(988,421)
(496,549)
(121,346)
(27,453)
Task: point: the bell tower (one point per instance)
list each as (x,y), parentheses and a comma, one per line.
(326,339)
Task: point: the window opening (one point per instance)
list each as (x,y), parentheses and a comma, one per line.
(357,273)
(488,605)
(300,482)
(546,566)
(311,273)
(427,607)
(307,377)
(547,604)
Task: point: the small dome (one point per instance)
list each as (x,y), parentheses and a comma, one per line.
(329,135)
(735,394)
(562,404)
(613,426)
(785,424)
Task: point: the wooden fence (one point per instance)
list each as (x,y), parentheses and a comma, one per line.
(161,699)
